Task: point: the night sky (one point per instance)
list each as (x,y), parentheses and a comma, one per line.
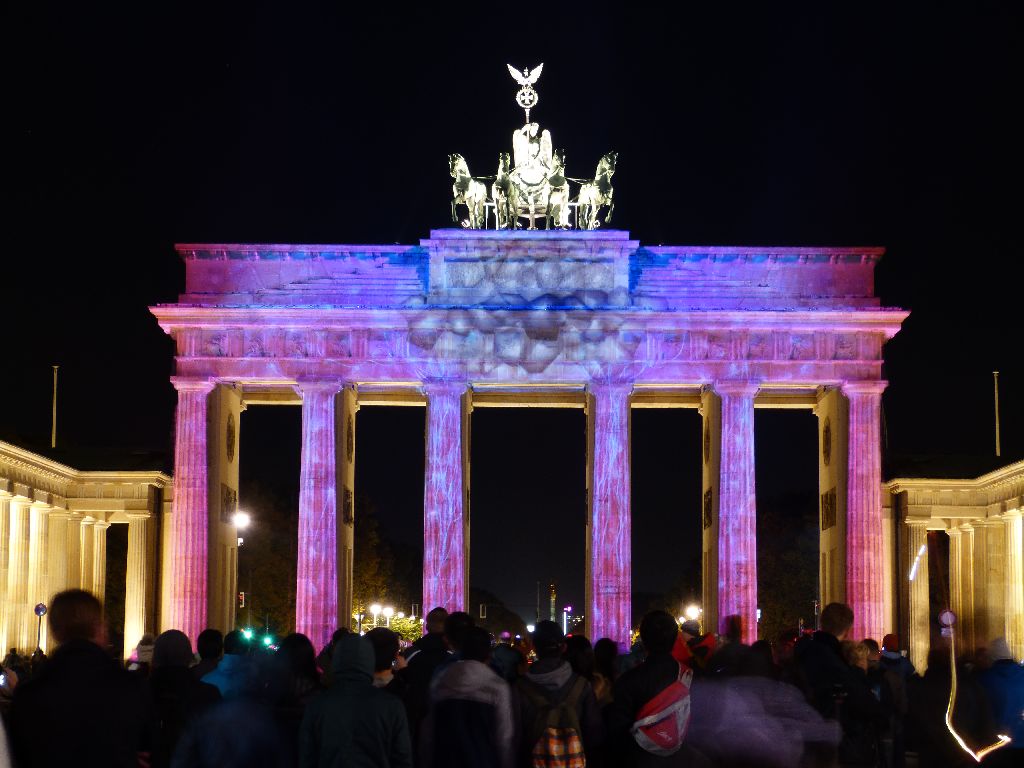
(134,126)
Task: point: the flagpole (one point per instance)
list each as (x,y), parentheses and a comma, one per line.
(995,381)
(53,429)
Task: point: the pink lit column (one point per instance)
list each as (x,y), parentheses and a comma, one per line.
(444,530)
(737,524)
(864,559)
(316,588)
(608,609)
(189,518)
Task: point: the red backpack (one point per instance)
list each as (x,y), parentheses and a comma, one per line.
(661,723)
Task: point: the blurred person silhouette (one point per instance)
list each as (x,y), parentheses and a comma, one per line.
(323,659)
(606,653)
(210,646)
(471,722)
(422,660)
(291,682)
(385,651)
(178,696)
(235,673)
(82,708)
(353,723)
(1003,684)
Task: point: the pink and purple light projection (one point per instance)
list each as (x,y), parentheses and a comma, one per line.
(587,311)
(316,587)
(189,522)
(444,544)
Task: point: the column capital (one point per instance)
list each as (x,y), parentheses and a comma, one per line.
(102,524)
(318,386)
(736,387)
(869,387)
(443,386)
(190,384)
(57,513)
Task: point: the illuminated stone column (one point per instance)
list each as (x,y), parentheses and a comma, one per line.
(864,526)
(832,412)
(19,613)
(711,475)
(56,560)
(99,558)
(961,582)
(918,606)
(37,552)
(136,578)
(608,609)
(189,528)
(73,577)
(316,588)
(345,436)
(87,545)
(5,546)
(1014,580)
(737,532)
(445,565)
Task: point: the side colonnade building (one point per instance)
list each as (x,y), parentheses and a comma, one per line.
(53,536)
(578,319)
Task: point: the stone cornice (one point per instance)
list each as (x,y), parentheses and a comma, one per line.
(1008,474)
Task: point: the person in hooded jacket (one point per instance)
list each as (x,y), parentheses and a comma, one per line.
(178,697)
(352,723)
(470,724)
(553,677)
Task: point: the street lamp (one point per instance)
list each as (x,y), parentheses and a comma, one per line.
(241,520)
(692,612)
(388,613)
(530,628)
(375,609)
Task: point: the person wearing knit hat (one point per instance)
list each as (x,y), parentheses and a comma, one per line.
(1003,683)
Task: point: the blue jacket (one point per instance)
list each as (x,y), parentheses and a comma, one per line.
(1004,685)
(233,677)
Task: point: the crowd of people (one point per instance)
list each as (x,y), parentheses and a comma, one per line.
(457,697)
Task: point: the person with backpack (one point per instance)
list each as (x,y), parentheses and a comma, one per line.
(649,713)
(558,713)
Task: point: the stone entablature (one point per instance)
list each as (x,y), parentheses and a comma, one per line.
(991,495)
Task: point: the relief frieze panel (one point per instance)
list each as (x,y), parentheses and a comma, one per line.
(576,339)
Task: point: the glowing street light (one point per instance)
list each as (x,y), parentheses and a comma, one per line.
(400,615)
(388,613)
(692,612)
(530,628)
(375,610)
(241,520)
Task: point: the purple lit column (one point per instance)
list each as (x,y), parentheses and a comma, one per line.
(864,559)
(737,526)
(444,540)
(316,587)
(608,612)
(189,519)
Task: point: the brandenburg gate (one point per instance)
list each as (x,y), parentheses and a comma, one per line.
(474,318)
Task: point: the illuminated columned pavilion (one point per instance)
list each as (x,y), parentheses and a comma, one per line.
(53,533)
(575,319)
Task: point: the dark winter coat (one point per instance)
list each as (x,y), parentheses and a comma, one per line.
(423,659)
(1003,683)
(838,691)
(81,709)
(554,678)
(178,698)
(353,724)
(470,724)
